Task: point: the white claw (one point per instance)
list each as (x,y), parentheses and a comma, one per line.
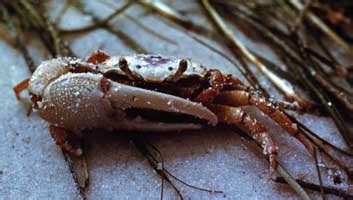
(132,97)
(77,101)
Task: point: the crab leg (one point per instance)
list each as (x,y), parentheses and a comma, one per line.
(68,141)
(243,98)
(237,116)
(20,87)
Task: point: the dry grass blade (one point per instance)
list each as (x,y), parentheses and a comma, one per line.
(316,154)
(321,25)
(29,15)
(99,23)
(299,20)
(293,183)
(210,47)
(283,85)
(305,64)
(314,187)
(16,33)
(281,171)
(157,164)
(125,38)
(151,31)
(338,94)
(166,11)
(34,20)
(298,67)
(320,92)
(190,26)
(155,159)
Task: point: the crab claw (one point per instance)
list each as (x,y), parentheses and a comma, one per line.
(127,97)
(88,100)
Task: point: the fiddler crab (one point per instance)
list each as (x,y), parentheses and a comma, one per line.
(146,93)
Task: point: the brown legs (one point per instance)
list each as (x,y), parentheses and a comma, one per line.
(67,140)
(217,82)
(20,87)
(242,98)
(237,116)
(229,93)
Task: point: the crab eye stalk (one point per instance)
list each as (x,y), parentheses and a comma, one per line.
(183,65)
(124,66)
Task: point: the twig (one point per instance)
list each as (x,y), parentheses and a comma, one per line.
(295,64)
(22,47)
(314,187)
(16,33)
(192,186)
(302,14)
(281,171)
(35,20)
(126,39)
(316,153)
(151,31)
(188,25)
(277,81)
(338,94)
(98,23)
(317,137)
(325,100)
(220,53)
(293,183)
(321,25)
(146,149)
(153,161)
(165,10)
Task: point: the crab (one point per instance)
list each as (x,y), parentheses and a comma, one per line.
(146,93)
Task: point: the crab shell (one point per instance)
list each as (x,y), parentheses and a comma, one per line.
(76,100)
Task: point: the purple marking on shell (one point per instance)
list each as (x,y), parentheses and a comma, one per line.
(154,60)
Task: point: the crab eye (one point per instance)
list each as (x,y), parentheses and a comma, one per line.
(170,68)
(138,66)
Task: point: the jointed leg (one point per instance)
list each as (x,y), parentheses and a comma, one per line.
(217,82)
(20,87)
(67,140)
(237,116)
(242,98)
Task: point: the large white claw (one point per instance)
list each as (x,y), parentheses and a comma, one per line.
(79,101)
(125,96)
